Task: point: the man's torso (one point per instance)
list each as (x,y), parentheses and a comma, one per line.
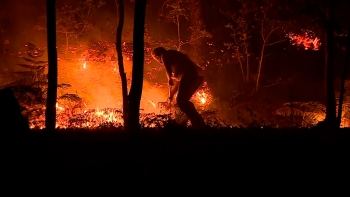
(180,63)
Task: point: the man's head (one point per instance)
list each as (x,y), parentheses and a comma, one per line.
(157,53)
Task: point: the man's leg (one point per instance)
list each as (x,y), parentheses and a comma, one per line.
(187,87)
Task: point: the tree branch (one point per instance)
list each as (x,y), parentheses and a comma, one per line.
(273,43)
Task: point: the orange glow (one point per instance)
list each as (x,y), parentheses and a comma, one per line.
(59,108)
(94,118)
(99,88)
(203,96)
(154,105)
(307,39)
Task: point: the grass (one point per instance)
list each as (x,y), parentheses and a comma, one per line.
(179,152)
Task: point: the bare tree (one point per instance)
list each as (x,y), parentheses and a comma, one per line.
(120,9)
(73,21)
(176,10)
(252,18)
(240,44)
(50,114)
(138,66)
(267,28)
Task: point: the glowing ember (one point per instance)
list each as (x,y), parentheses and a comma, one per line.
(154,105)
(91,119)
(203,96)
(84,65)
(203,100)
(307,39)
(59,108)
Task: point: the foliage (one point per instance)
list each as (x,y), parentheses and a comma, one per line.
(70,102)
(257,114)
(254,28)
(175,9)
(312,113)
(97,52)
(241,28)
(31,88)
(74,19)
(172,11)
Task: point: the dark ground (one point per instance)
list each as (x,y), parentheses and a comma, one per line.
(303,155)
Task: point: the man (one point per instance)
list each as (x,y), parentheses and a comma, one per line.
(184,78)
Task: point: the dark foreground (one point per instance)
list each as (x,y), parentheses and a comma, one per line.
(227,154)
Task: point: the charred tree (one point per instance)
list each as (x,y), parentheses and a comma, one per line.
(122,73)
(330,119)
(50,114)
(137,67)
(342,88)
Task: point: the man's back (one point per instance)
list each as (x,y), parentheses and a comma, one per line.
(179,62)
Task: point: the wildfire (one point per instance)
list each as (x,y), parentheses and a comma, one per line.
(307,39)
(202,97)
(91,119)
(107,116)
(154,105)
(94,118)
(59,108)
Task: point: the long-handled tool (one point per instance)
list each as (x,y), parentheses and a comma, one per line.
(167,104)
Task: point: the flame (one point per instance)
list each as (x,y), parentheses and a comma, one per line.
(307,39)
(90,119)
(154,105)
(202,97)
(84,65)
(59,108)
(94,118)
(203,100)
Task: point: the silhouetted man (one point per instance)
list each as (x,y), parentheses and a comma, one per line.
(184,78)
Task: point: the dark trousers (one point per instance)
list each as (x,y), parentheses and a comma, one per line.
(187,87)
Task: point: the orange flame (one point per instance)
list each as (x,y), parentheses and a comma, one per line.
(307,39)
(154,105)
(202,97)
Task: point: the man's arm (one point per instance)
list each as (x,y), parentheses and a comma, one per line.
(169,71)
(174,90)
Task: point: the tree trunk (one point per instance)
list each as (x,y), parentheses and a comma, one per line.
(260,66)
(138,63)
(345,70)
(121,62)
(50,114)
(330,119)
(238,52)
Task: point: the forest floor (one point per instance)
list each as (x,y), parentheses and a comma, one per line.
(185,153)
